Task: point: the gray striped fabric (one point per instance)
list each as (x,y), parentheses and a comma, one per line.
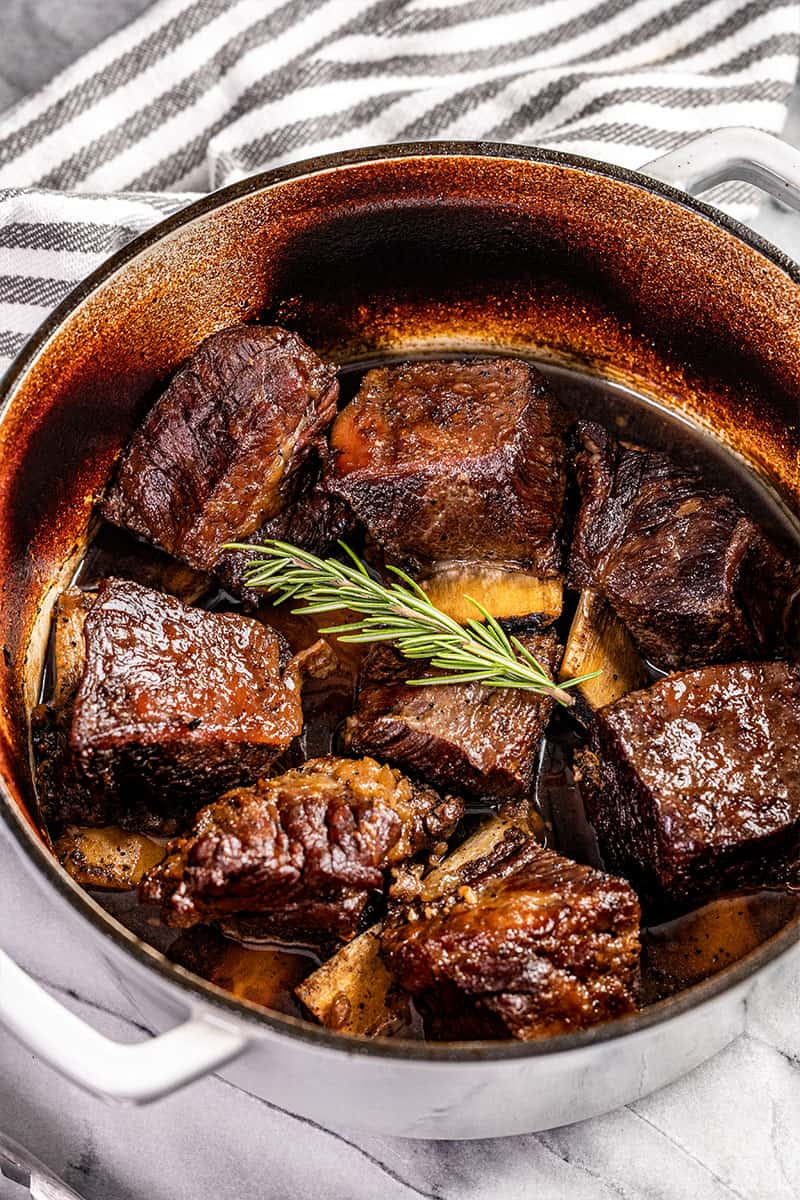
(198,93)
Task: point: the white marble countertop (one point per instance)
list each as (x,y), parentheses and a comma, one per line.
(730,1129)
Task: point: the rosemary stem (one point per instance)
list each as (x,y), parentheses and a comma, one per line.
(480,651)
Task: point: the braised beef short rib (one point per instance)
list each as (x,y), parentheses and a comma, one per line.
(480,740)
(214,457)
(300,853)
(539,945)
(692,577)
(458,460)
(693,784)
(174,705)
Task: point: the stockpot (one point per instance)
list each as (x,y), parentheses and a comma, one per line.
(477,246)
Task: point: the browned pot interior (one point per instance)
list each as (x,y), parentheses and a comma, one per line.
(409,249)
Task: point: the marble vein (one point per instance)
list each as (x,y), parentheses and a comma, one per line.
(688,1154)
(381,1166)
(609,1184)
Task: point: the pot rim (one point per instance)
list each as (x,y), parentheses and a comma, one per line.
(192,987)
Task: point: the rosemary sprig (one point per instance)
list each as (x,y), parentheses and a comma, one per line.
(400,612)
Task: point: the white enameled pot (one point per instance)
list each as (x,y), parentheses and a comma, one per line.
(386,251)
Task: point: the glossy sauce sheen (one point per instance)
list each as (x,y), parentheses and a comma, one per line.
(756,700)
(676,954)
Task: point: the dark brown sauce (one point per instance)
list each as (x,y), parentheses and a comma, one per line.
(692,947)
(264,974)
(113,551)
(559,800)
(675,954)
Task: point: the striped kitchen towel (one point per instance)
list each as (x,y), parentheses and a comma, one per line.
(198,93)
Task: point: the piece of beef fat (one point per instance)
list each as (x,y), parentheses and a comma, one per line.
(692,577)
(174,705)
(693,784)
(480,740)
(213,458)
(300,853)
(455,461)
(538,945)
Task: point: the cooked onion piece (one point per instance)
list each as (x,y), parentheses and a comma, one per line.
(69,650)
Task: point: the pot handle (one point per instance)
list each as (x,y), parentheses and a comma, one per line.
(737,153)
(113,1070)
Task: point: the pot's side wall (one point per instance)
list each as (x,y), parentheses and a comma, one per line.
(477,1099)
(414,253)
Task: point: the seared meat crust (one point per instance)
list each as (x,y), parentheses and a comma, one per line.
(212,460)
(455,461)
(693,784)
(174,704)
(484,741)
(313,519)
(692,577)
(540,945)
(303,850)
